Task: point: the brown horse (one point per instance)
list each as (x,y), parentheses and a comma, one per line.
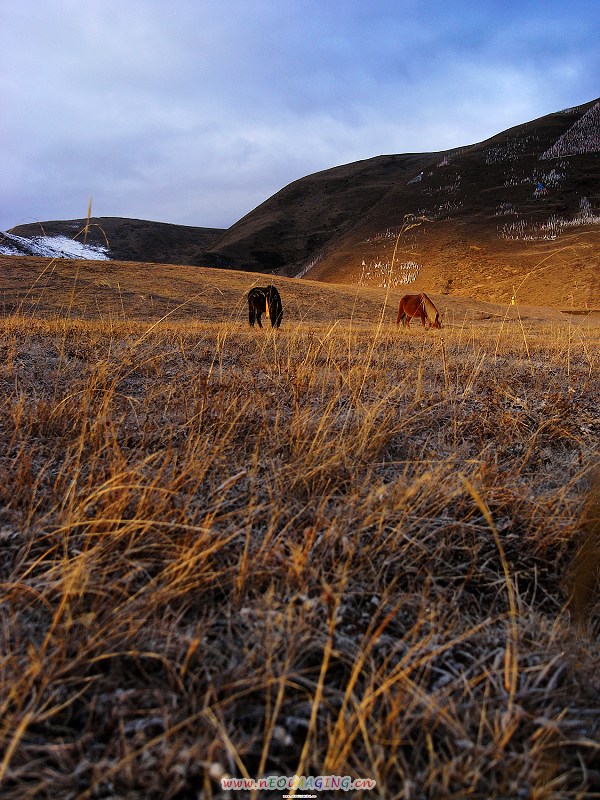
(418,305)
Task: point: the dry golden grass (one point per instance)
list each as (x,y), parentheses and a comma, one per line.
(342,549)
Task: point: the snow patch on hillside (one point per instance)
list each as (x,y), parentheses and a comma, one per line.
(51,247)
(582,137)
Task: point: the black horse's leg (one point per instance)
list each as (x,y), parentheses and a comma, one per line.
(258,316)
(251,315)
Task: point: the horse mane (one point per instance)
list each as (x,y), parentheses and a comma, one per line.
(429,308)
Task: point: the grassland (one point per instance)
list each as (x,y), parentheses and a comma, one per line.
(342,549)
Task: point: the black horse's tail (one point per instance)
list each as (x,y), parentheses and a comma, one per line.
(265,300)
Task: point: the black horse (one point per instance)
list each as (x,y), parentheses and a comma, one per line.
(265,300)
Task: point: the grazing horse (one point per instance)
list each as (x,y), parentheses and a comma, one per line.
(418,305)
(264,300)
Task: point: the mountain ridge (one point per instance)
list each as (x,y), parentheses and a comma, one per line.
(516,213)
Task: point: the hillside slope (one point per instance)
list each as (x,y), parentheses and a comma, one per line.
(142,292)
(516,214)
(291,228)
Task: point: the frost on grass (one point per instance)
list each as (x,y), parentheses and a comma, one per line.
(381,273)
(328,551)
(552,228)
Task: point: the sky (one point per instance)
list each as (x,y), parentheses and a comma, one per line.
(196,111)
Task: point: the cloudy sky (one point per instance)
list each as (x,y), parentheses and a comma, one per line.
(195,111)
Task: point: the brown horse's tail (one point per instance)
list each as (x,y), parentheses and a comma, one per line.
(400,312)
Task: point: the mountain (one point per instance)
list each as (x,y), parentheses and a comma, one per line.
(517,214)
(122,239)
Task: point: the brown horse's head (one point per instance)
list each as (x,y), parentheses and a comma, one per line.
(433,315)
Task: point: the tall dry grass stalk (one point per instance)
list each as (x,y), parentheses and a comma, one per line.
(335,550)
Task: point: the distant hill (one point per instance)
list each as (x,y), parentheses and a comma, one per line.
(130,239)
(518,213)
